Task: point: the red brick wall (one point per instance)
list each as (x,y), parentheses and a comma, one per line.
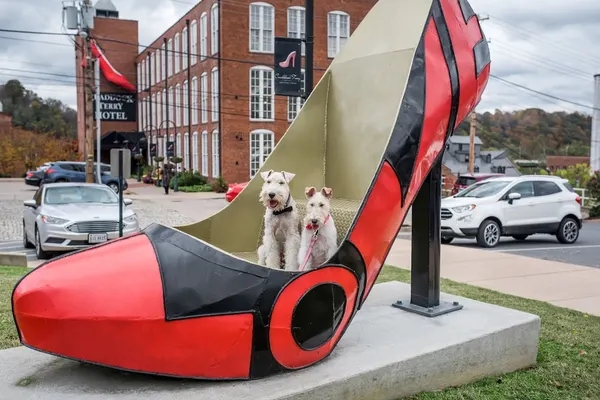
(555,163)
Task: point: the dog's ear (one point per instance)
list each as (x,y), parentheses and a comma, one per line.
(288,176)
(327,192)
(310,192)
(266,174)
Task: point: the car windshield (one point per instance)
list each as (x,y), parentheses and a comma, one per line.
(466,181)
(80,195)
(483,189)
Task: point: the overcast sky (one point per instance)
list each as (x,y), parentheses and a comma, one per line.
(551,46)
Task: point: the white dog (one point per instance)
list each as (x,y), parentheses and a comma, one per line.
(319,236)
(281,238)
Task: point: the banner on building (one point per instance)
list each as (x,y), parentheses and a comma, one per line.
(170,149)
(153,150)
(288,67)
(121,107)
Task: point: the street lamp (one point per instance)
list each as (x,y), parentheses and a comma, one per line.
(139,157)
(168,121)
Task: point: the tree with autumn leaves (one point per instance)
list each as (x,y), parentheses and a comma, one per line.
(24,150)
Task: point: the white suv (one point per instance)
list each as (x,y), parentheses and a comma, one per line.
(516,207)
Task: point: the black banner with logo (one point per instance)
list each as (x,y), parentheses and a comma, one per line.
(120,107)
(288,67)
(170,149)
(153,150)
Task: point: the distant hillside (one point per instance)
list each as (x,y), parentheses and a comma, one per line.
(534,133)
(32,113)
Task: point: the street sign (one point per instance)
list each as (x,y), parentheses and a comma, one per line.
(114,162)
(170,149)
(288,67)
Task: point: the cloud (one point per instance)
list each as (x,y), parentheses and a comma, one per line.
(552,48)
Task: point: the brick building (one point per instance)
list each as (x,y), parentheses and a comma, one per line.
(555,163)
(108,32)
(222,112)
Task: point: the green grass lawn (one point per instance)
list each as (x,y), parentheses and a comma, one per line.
(568,366)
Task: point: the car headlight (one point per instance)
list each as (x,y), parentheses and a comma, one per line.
(131,219)
(463,209)
(53,220)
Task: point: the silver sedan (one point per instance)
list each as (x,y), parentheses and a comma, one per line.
(64,217)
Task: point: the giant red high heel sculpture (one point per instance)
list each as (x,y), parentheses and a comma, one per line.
(190,302)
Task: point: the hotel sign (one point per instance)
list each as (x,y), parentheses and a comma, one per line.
(121,107)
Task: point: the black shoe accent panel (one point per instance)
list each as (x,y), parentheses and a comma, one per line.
(466,9)
(349,256)
(481,53)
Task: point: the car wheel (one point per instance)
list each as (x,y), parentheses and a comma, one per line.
(568,231)
(114,187)
(488,234)
(520,237)
(26,243)
(39,252)
(447,240)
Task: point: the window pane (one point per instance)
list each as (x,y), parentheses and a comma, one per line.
(525,189)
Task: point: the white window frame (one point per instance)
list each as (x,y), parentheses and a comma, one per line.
(204,97)
(203,36)
(163,63)
(164,107)
(184,49)
(184,93)
(176,52)
(143,74)
(152,81)
(261,96)
(186,151)
(178,146)
(160,147)
(159,107)
(297,30)
(261,47)
(139,77)
(139,117)
(195,94)
(214,90)
(214,29)
(215,154)
(205,153)
(195,166)
(170,58)
(171,105)
(260,134)
(153,110)
(295,104)
(194,38)
(338,35)
(178,105)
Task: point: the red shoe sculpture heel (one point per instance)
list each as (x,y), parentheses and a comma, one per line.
(191,301)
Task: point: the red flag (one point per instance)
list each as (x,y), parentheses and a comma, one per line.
(108,70)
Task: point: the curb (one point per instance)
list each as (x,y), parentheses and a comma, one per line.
(13,259)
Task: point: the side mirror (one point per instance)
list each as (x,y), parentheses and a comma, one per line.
(30,203)
(513,196)
(127,202)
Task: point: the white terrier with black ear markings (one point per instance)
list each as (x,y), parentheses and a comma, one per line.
(281,240)
(319,236)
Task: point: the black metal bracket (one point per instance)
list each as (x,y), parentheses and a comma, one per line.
(425,250)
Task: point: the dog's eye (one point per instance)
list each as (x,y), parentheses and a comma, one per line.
(281,182)
(268,182)
(320,204)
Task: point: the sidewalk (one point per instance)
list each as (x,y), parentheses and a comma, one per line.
(561,284)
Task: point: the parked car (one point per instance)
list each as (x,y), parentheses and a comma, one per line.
(73,171)
(466,180)
(234,190)
(35,178)
(69,216)
(513,206)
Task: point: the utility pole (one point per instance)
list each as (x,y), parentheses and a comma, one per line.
(89,88)
(98,121)
(189,93)
(310,42)
(472,143)
(149,82)
(168,95)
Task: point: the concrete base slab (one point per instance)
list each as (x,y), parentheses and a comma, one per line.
(386,354)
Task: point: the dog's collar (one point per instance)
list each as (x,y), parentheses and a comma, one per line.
(286,209)
(310,226)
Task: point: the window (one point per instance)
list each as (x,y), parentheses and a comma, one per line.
(296,103)
(194,39)
(186,151)
(159,107)
(205,153)
(338,31)
(184,48)
(151,69)
(186,108)
(262,22)
(544,188)
(261,93)
(214,29)
(160,152)
(164,107)
(139,77)
(143,74)
(163,62)
(176,52)
(296,24)
(170,58)
(195,152)
(204,98)
(203,36)
(153,110)
(194,91)
(178,146)
(525,189)
(214,82)
(171,107)
(177,116)
(141,126)
(261,145)
(215,154)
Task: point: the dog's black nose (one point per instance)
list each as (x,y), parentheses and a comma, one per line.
(271,195)
(314,221)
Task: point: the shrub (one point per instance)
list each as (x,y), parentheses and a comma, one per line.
(191,179)
(219,185)
(595,211)
(196,189)
(593,186)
